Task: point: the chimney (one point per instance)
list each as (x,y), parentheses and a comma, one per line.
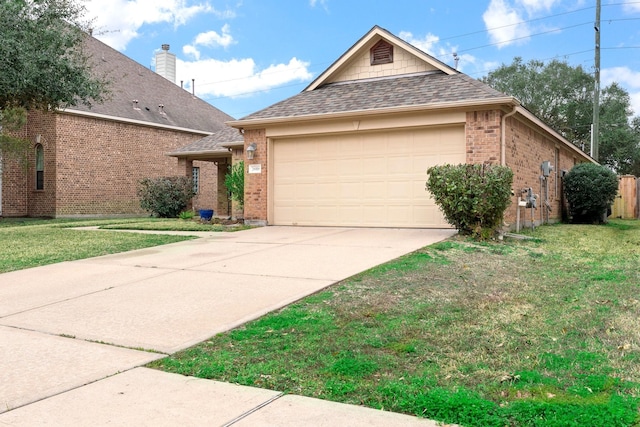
(166,64)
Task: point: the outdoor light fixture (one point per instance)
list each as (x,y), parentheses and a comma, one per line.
(251,150)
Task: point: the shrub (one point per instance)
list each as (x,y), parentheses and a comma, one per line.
(473,198)
(590,190)
(234,181)
(165,197)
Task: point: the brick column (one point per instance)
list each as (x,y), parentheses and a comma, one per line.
(256,184)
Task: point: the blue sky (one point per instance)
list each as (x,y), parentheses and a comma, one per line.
(248,54)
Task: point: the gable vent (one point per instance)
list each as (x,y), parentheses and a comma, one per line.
(382,53)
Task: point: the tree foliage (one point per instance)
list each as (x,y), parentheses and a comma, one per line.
(562,96)
(43,63)
(473,198)
(591,190)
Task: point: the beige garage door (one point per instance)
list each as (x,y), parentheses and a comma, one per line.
(369,179)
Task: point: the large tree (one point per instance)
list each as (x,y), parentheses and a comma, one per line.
(562,96)
(43,62)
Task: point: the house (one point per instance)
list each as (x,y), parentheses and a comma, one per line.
(88,161)
(353,148)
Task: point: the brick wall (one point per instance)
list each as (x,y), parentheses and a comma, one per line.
(527,146)
(93,166)
(256,185)
(483,136)
(19,194)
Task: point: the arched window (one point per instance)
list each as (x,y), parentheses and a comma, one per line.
(39,167)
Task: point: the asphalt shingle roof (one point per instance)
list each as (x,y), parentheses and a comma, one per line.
(132,81)
(214,142)
(362,95)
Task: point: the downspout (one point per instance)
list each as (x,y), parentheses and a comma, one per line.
(503,157)
(503,136)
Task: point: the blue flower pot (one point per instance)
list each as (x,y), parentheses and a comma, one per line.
(206,214)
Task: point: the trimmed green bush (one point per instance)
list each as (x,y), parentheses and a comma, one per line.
(590,190)
(234,181)
(165,197)
(473,198)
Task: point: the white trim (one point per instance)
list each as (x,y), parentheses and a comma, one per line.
(131,121)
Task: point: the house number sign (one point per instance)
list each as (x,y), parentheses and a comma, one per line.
(255,168)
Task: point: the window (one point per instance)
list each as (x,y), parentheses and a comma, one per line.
(381,53)
(195,175)
(39,167)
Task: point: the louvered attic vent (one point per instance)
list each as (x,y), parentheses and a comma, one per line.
(382,53)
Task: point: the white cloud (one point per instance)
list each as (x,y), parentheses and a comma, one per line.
(117,22)
(213,39)
(625,76)
(635,103)
(631,6)
(427,44)
(430,44)
(209,39)
(237,78)
(504,24)
(533,6)
(192,51)
(628,79)
(314,3)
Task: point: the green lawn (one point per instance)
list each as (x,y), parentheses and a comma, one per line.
(29,242)
(544,332)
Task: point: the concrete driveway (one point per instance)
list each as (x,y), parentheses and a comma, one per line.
(75,323)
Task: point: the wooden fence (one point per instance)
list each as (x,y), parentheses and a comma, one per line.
(626,204)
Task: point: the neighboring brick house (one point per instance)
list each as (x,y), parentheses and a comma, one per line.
(353,148)
(88,161)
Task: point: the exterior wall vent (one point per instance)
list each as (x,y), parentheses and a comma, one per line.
(382,53)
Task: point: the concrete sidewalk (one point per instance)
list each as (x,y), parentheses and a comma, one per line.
(74,334)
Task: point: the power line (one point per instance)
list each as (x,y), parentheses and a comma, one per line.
(441,57)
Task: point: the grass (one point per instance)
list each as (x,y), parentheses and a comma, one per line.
(544,332)
(28,242)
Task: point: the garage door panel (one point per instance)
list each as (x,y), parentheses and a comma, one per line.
(374,179)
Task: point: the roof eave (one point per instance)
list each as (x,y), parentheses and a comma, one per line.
(466,104)
(73,112)
(202,154)
(234,144)
(531,117)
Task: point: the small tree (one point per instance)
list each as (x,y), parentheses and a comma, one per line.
(234,181)
(165,197)
(473,198)
(44,65)
(590,190)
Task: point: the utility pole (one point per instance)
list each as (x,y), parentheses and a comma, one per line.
(596,93)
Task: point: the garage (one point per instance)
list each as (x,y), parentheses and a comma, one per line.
(368,179)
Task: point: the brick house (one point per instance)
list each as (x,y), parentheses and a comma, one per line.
(353,148)
(88,161)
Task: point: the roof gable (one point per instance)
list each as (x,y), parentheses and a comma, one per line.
(357,62)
